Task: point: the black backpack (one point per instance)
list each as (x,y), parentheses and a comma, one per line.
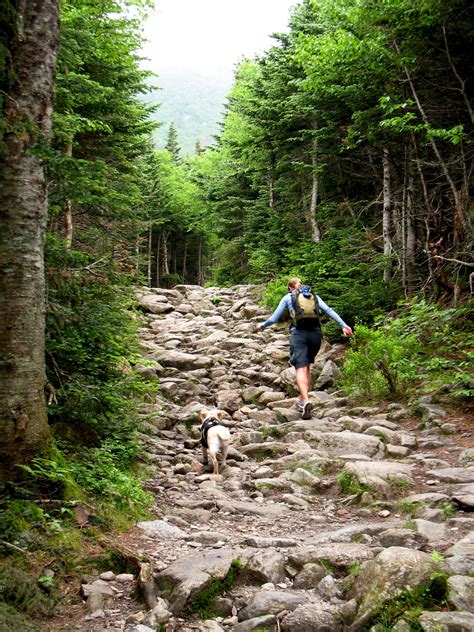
(304,312)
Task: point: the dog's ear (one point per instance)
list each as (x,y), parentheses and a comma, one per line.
(220,414)
(203,414)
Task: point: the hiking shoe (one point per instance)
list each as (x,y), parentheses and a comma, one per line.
(305,408)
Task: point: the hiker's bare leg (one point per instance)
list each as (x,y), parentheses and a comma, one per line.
(303,381)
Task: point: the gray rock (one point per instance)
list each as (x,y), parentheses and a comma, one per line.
(461,592)
(185,578)
(341,555)
(270,601)
(162,529)
(467,456)
(264,543)
(311,618)
(310,576)
(266,622)
(381,476)
(98,587)
(266,566)
(183,361)
(387,576)
(447,621)
(405,538)
(454,474)
(342,442)
(434,532)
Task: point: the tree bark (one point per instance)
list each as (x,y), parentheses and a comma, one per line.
(68,209)
(158,254)
(185,256)
(28,104)
(315,231)
(150,237)
(387,215)
(410,239)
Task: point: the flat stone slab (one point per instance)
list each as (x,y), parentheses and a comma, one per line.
(263,543)
(162,529)
(340,555)
(454,474)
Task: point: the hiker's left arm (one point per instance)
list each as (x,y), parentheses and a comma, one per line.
(277,314)
(335,316)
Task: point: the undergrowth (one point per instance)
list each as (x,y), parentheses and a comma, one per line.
(420,348)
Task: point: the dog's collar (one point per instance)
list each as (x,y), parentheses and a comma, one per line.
(210,418)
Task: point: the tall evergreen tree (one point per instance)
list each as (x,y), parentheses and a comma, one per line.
(172,143)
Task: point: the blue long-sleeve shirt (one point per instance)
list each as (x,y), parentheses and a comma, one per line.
(285,305)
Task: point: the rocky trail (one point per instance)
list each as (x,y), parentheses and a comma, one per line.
(314,525)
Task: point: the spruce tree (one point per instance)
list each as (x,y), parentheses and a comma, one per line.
(172,143)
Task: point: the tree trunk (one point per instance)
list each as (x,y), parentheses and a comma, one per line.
(200,271)
(150,237)
(166,263)
(158,248)
(387,215)
(68,209)
(185,256)
(28,105)
(434,145)
(410,238)
(315,232)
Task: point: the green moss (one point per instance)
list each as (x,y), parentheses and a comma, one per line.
(202,602)
(21,591)
(13,621)
(410,603)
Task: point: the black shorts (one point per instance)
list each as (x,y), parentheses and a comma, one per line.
(304,345)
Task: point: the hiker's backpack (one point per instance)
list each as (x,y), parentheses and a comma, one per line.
(304,312)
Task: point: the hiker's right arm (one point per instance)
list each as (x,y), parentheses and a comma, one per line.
(278,313)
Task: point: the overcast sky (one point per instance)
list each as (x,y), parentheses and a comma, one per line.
(211,36)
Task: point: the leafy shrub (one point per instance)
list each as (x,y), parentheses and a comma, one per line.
(379,363)
(420,341)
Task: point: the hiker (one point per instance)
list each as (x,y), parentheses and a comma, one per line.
(305,334)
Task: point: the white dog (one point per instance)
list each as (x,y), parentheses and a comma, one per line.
(214,437)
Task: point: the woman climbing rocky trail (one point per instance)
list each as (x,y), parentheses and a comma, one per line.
(314,525)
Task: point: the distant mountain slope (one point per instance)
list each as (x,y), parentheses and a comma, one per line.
(195,102)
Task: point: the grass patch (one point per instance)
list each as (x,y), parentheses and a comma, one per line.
(398,484)
(448,510)
(202,603)
(350,484)
(408,507)
(271,431)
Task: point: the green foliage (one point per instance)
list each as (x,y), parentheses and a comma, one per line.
(19,590)
(409,604)
(172,144)
(350,484)
(379,364)
(421,340)
(202,602)
(11,620)
(408,507)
